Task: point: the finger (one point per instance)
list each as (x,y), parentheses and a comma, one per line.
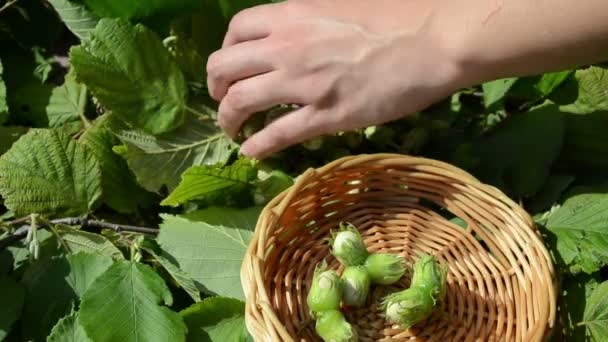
(252,23)
(235,63)
(253,95)
(290,129)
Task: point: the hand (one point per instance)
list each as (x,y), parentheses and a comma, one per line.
(348,63)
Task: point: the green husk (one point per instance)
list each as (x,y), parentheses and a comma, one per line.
(430,274)
(259,120)
(313,144)
(332,326)
(385,269)
(326,290)
(356,283)
(409,307)
(348,246)
(428,287)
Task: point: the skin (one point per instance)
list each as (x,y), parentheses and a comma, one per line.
(355,63)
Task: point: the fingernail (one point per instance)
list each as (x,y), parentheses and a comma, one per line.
(246,149)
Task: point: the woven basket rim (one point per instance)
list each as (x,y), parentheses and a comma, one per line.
(260,314)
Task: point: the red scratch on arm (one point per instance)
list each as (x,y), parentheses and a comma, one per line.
(492,13)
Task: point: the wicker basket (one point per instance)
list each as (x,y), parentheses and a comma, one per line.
(501,284)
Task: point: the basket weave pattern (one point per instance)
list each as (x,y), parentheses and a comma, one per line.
(500,278)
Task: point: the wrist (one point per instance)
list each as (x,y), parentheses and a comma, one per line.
(445,42)
(446,46)
(446,27)
(469,43)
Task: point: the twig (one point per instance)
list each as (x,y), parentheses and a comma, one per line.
(17,221)
(75,221)
(22,231)
(7,5)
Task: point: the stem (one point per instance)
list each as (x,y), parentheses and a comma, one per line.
(196,112)
(22,231)
(7,5)
(59,238)
(84,119)
(132,252)
(529,104)
(83,107)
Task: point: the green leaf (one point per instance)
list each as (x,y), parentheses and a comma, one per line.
(32,99)
(216,319)
(132,74)
(68,329)
(495,91)
(581,229)
(269,185)
(22,66)
(125,304)
(528,145)
(47,172)
(67,102)
(120,189)
(550,192)
(550,81)
(8,136)
(18,253)
(11,297)
(209,245)
(586,143)
(190,61)
(208,182)
(54,285)
(76,17)
(80,241)
(136,10)
(3,104)
(175,272)
(592,92)
(460,222)
(6,263)
(533,88)
(44,105)
(160,161)
(230,7)
(575,293)
(596,313)
(198,35)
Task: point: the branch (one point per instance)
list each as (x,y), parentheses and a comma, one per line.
(22,231)
(20,220)
(77,221)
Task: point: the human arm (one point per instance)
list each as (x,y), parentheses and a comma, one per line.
(494,39)
(354,63)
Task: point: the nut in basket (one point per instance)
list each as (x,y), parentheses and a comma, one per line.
(500,278)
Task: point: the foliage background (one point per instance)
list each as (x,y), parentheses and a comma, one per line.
(125,212)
